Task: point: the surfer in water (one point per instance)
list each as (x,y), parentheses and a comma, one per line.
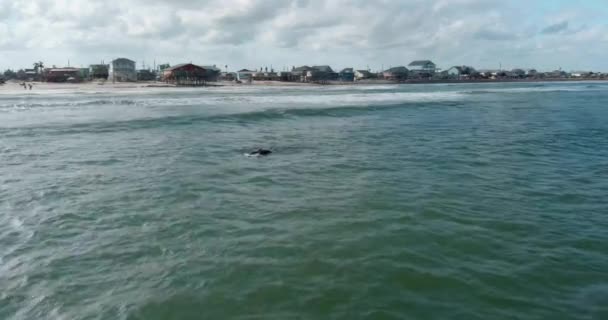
(260,152)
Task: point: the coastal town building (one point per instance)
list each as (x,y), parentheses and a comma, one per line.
(84,73)
(459,72)
(266,76)
(396,73)
(489,73)
(301,73)
(146,75)
(531,73)
(517,73)
(99,71)
(346,75)
(187,74)
(245,75)
(422,68)
(323,73)
(123,70)
(228,76)
(363,75)
(31,74)
(63,75)
(556,74)
(581,74)
(288,76)
(212,73)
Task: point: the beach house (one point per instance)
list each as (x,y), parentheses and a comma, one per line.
(301,73)
(581,74)
(122,70)
(186,74)
(288,76)
(245,74)
(146,75)
(531,73)
(322,73)
(63,75)
(459,72)
(99,71)
(490,73)
(212,73)
(422,68)
(266,76)
(557,74)
(362,75)
(396,73)
(346,75)
(517,73)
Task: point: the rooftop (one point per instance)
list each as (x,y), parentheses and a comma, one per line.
(400,69)
(214,68)
(63,69)
(178,66)
(123,60)
(302,68)
(420,63)
(323,68)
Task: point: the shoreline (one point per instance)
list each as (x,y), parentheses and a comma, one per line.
(15,86)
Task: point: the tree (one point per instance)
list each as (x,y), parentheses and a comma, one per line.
(21,75)
(41,66)
(38,68)
(10,74)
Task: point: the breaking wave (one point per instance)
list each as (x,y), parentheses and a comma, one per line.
(537,89)
(295,100)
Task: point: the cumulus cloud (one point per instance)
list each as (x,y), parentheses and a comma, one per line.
(252,33)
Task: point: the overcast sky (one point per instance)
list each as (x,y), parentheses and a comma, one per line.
(546,34)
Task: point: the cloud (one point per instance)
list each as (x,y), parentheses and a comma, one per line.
(495,35)
(289,32)
(556,28)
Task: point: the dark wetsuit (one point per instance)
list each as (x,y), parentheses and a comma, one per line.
(261,152)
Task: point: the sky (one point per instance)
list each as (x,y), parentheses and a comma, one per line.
(375,34)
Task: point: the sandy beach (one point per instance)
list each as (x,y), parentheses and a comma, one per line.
(12,87)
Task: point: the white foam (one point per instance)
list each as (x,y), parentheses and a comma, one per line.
(549,88)
(16,223)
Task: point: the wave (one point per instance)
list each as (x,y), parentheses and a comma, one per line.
(28,105)
(332,99)
(234,116)
(536,89)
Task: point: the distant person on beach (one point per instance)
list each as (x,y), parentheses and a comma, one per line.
(31,85)
(24,86)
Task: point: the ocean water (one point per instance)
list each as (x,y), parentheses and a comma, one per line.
(480,201)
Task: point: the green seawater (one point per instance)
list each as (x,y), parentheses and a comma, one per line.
(481,201)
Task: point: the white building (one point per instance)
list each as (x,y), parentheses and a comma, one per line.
(123,70)
(362,74)
(460,71)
